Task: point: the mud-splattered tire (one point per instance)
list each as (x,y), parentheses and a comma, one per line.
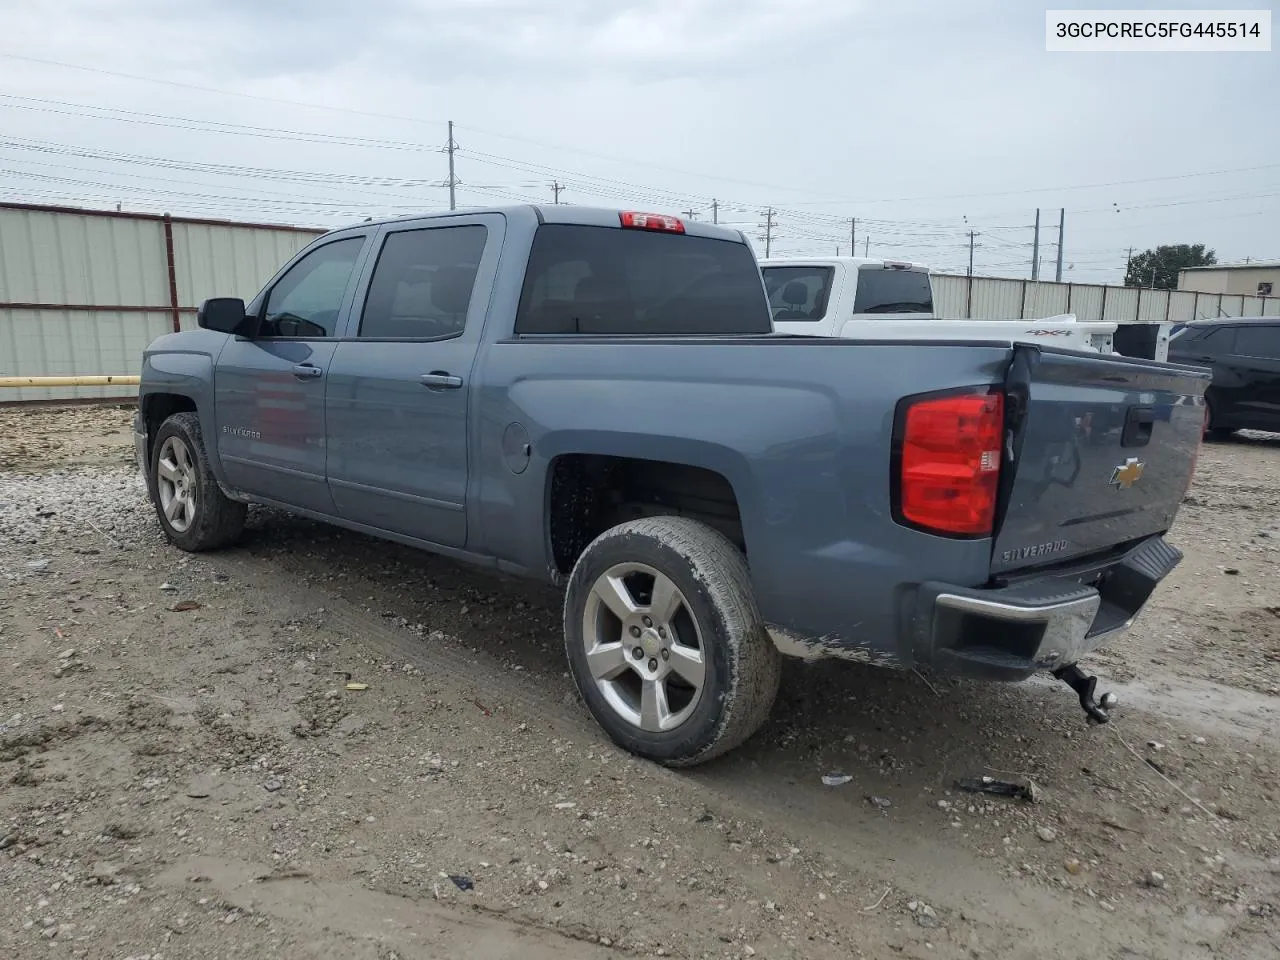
(624,642)
(194,513)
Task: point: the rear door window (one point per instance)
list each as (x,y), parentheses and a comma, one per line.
(422,284)
(887,290)
(605,280)
(798,293)
(1261,341)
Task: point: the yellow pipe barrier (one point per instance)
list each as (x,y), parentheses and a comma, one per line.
(107,381)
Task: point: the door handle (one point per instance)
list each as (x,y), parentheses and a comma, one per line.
(306,371)
(440,380)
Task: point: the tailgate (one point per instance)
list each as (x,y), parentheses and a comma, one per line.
(1103,450)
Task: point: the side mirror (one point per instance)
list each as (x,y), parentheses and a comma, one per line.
(224,314)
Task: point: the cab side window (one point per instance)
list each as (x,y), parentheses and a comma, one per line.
(306,300)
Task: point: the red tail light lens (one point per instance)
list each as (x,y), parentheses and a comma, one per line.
(651,221)
(949,463)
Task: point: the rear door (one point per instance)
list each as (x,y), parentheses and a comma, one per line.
(1251,377)
(400,382)
(1106,450)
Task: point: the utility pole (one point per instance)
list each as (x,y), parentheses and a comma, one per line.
(690,213)
(715,210)
(866,246)
(453,181)
(971,236)
(853,236)
(768,230)
(1062,222)
(1035,250)
(556,187)
(1128,265)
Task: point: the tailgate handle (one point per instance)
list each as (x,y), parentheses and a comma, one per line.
(1137,427)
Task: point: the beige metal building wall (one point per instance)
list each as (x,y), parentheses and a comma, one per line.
(83,292)
(1235,280)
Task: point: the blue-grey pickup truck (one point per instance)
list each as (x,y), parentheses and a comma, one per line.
(598,399)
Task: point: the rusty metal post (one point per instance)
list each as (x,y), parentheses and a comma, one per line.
(173,274)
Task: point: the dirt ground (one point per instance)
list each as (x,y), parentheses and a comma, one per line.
(185,773)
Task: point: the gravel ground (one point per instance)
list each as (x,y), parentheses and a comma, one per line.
(187,774)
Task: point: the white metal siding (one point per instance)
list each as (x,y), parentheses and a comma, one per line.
(1086,302)
(81,258)
(948,295)
(52,343)
(224,261)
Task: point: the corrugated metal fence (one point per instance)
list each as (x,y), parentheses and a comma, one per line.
(986,298)
(83,292)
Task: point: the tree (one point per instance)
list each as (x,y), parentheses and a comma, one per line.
(1164,262)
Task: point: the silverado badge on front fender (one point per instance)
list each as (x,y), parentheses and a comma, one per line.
(1127,474)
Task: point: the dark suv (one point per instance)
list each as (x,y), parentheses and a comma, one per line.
(1244,354)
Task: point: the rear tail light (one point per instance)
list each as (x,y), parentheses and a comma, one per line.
(947,462)
(651,221)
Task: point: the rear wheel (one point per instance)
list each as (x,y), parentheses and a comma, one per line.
(1211,430)
(665,642)
(194,512)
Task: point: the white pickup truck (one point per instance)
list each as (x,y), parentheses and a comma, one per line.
(867,298)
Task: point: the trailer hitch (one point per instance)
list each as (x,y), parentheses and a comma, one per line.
(1084,686)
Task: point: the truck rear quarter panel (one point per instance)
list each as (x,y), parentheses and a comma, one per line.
(801,429)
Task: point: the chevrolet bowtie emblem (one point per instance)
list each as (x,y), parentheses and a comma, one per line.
(1128,473)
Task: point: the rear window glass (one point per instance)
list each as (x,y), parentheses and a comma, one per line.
(604,280)
(886,290)
(798,293)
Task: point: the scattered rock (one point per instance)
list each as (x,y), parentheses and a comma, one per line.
(105,873)
(168,588)
(836,779)
(1047,834)
(880,803)
(1154,879)
(201,786)
(926,917)
(272,785)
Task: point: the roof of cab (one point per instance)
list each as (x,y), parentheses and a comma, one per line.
(563,213)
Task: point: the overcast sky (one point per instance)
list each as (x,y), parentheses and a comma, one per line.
(921,119)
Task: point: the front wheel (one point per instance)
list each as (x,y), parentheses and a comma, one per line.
(194,512)
(665,642)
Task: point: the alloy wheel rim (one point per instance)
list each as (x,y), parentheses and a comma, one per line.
(644,648)
(176,484)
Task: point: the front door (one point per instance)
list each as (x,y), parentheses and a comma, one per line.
(399,383)
(269,390)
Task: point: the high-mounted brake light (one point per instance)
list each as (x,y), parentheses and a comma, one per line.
(651,221)
(948,462)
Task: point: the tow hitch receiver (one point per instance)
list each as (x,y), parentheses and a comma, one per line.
(1084,686)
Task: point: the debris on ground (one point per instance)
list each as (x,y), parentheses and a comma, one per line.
(1002,788)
